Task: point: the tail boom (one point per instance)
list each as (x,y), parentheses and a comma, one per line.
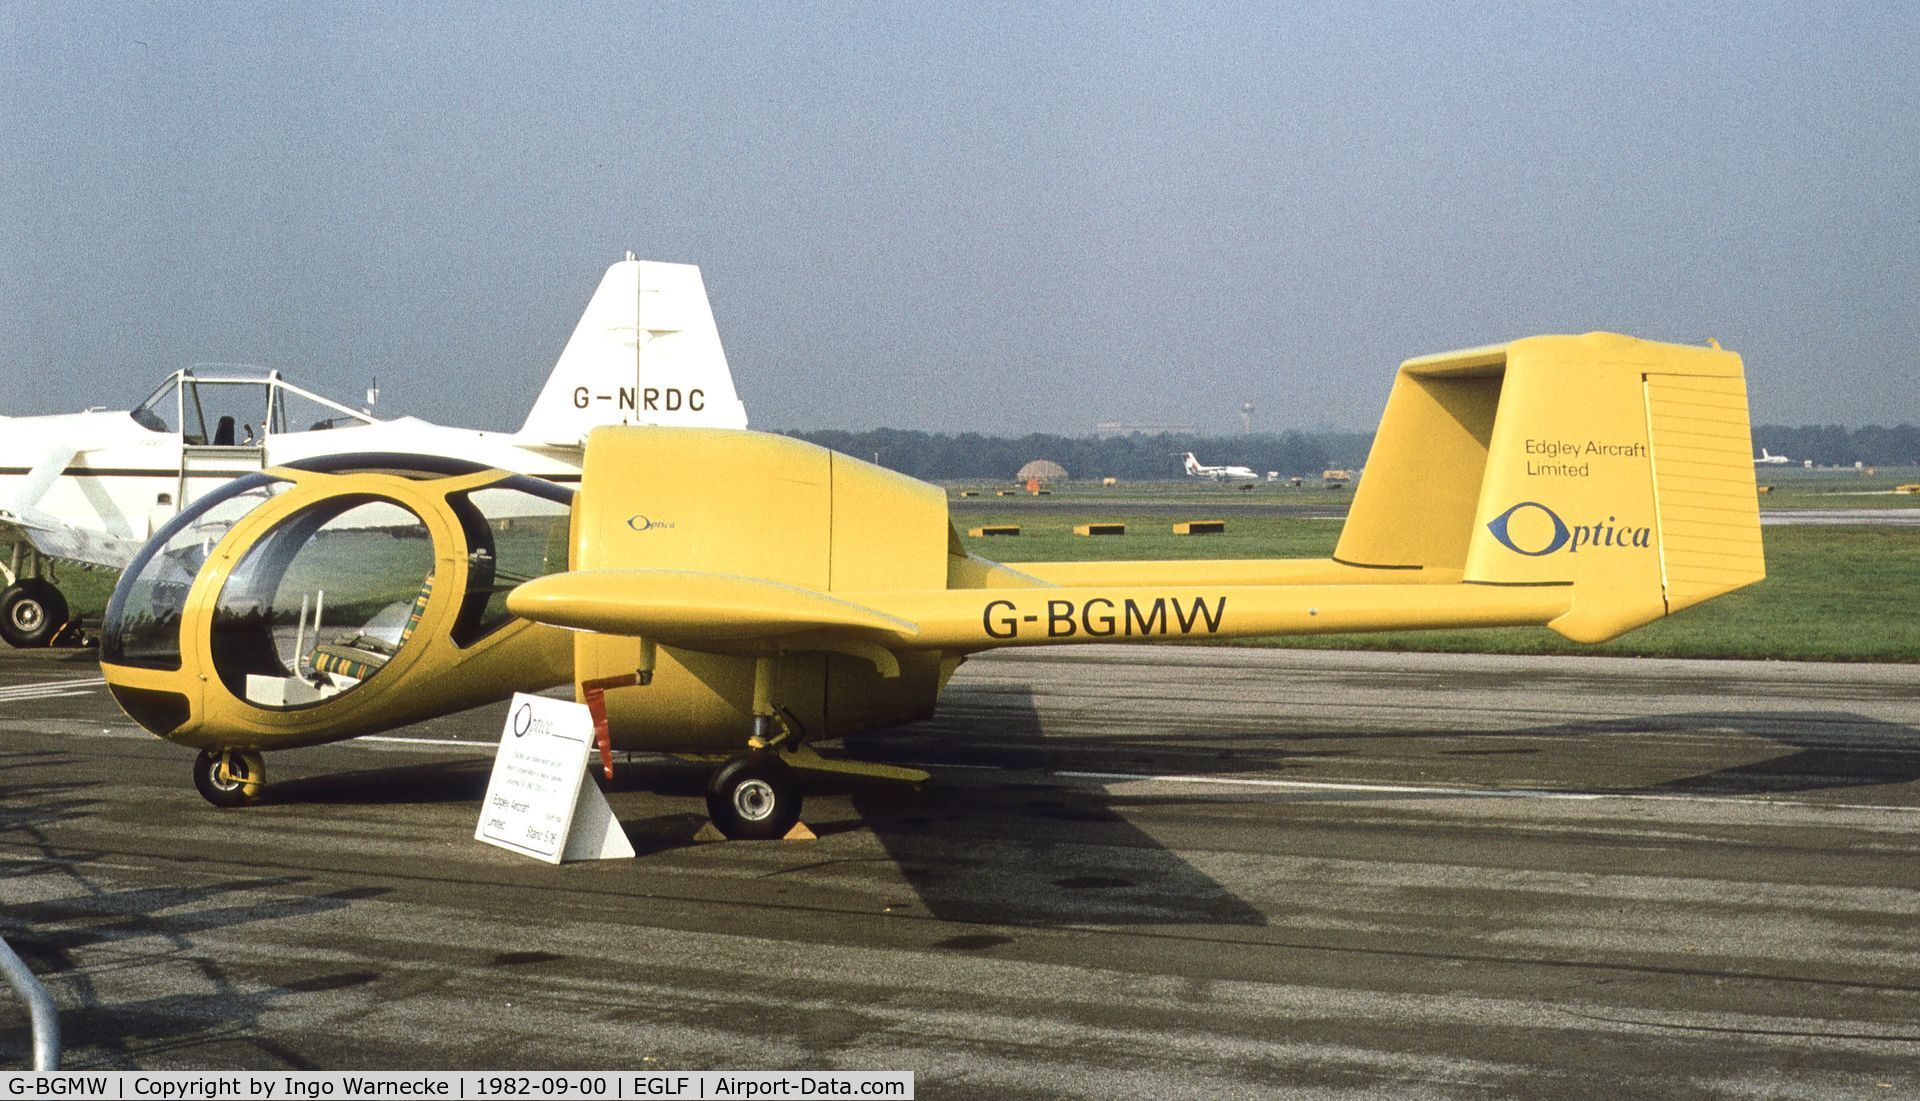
(963,621)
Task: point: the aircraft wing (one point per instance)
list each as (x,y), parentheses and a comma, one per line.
(693,608)
(55,538)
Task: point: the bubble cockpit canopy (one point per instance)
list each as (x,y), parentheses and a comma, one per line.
(329,588)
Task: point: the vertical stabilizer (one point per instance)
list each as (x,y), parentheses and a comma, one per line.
(1616,466)
(645,352)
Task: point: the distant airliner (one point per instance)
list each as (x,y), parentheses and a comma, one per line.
(1219,473)
(1768,459)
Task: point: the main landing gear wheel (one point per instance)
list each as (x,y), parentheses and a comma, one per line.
(754,797)
(229,779)
(31,612)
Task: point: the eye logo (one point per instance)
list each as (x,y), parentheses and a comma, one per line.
(1541,540)
(640,521)
(1501,524)
(524,723)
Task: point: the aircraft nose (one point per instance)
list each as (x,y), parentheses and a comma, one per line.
(158,711)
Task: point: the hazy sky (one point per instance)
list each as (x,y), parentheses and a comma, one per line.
(990,217)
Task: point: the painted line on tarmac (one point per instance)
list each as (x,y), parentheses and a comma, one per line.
(1355,787)
(52,689)
(1330,785)
(1459,793)
(437,743)
(42,694)
(68,683)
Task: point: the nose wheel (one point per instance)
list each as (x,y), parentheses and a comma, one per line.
(754,797)
(230,777)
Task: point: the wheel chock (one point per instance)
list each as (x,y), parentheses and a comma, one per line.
(69,636)
(709,832)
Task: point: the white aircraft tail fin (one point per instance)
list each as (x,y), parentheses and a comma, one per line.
(645,352)
(1193,464)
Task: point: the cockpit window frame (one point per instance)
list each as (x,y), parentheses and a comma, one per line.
(112,628)
(225,673)
(470,628)
(144,416)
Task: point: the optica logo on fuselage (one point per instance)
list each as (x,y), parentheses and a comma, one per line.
(642,522)
(1542,531)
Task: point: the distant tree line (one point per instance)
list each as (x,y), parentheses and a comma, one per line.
(1134,458)
(1832,445)
(941,457)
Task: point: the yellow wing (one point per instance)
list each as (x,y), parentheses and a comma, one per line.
(688,607)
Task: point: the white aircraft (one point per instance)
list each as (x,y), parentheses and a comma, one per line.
(91,488)
(1218,473)
(1768,459)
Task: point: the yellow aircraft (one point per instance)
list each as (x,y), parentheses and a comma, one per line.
(735,595)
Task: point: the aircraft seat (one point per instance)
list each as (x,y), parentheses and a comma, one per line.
(357,656)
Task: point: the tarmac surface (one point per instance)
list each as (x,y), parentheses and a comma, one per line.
(1169,872)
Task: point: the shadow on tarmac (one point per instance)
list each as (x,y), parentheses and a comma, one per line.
(1826,750)
(1030,852)
(463,781)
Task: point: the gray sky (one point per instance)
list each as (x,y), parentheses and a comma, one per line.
(996,217)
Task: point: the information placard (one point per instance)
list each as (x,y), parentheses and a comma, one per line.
(538,801)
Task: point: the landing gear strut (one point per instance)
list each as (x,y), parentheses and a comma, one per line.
(229,778)
(754,797)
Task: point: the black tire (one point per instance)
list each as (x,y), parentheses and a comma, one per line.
(31,613)
(754,798)
(240,784)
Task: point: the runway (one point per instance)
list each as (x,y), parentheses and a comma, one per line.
(1841,517)
(1216,505)
(1167,872)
